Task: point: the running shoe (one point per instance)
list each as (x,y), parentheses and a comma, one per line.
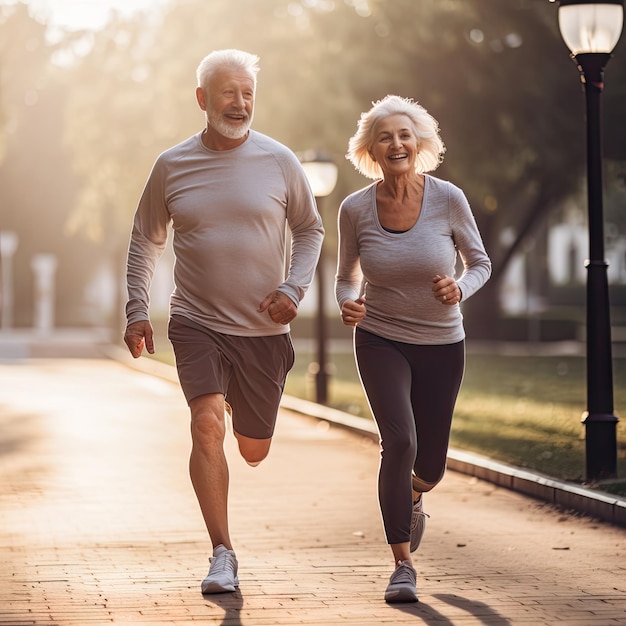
(222,576)
(402,585)
(228,417)
(418,523)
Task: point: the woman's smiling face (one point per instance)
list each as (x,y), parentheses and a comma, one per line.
(395,145)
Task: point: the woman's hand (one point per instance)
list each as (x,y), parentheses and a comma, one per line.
(446,290)
(353,311)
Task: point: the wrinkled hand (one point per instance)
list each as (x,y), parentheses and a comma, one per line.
(139,335)
(446,290)
(281,308)
(353,311)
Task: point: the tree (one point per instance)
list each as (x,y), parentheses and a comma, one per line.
(496,75)
(37,186)
(498,78)
(141,103)
(23,58)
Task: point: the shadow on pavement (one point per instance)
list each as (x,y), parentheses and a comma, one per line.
(479,610)
(230,603)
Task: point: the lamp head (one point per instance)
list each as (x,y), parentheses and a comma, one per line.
(589,26)
(321,172)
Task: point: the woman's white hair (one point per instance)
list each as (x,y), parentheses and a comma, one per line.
(431,148)
(226,59)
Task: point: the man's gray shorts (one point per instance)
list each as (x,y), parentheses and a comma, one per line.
(249,371)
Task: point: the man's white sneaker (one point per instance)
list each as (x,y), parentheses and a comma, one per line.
(228,417)
(418,523)
(222,576)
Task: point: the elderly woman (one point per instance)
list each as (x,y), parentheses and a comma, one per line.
(396,283)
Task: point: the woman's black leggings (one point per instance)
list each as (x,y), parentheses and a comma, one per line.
(411,390)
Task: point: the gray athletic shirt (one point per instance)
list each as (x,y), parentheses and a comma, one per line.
(229,211)
(395,270)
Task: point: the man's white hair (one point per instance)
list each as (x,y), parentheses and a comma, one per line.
(226,59)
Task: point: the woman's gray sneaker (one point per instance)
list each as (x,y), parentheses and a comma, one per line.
(418,523)
(402,584)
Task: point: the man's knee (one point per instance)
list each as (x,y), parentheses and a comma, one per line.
(207,420)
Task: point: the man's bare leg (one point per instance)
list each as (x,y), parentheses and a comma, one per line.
(208,467)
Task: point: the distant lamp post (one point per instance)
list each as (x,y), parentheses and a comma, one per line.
(8,246)
(591,30)
(321,171)
(44,267)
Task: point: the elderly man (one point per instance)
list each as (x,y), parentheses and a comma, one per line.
(229,194)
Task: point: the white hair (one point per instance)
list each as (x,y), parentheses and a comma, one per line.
(431,147)
(229,59)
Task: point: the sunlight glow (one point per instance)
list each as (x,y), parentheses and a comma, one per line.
(84,14)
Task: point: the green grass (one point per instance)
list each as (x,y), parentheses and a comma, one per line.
(523,411)
(527,411)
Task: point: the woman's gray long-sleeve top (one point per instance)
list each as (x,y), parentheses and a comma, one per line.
(394,271)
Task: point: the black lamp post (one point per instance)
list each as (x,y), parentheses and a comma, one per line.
(591,29)
(321,172)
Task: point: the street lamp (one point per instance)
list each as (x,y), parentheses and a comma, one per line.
(44,266)
(321,172)
(591,29)
(8,245)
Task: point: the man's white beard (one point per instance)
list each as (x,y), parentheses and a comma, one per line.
(229,130)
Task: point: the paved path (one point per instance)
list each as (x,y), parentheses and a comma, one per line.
(99,524)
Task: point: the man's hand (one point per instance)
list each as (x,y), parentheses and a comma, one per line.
(139,335)
(281,308)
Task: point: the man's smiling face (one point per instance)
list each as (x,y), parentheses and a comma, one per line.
(231,103)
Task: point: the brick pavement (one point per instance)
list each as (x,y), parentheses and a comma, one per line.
(99,524)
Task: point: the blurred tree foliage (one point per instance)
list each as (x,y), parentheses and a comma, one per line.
(37,185)
(495,74)
(22,61)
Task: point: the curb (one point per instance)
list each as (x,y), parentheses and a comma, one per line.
(568,496)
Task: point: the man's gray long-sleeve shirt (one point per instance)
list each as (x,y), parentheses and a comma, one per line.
(395,270)
(229,211)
